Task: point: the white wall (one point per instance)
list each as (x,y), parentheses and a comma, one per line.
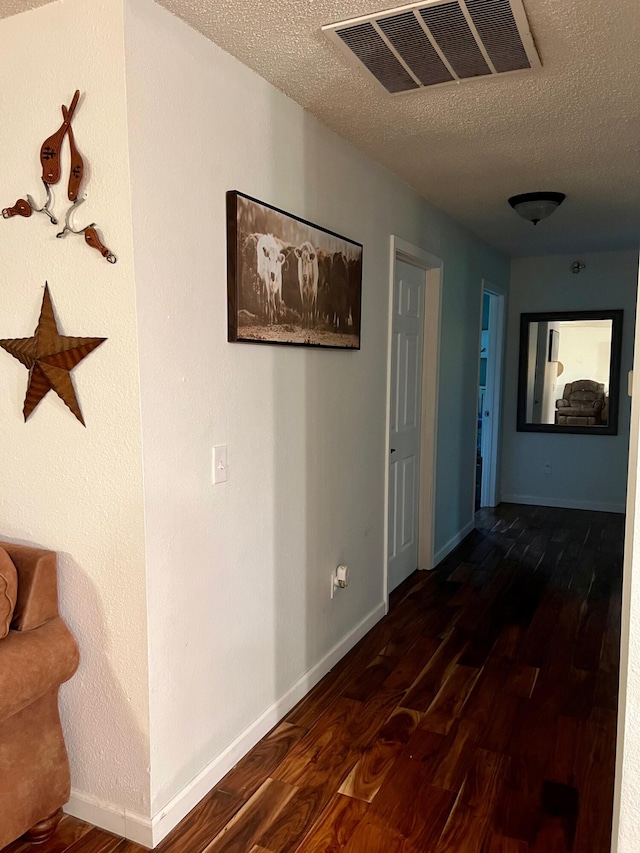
(626,811)
(585,352)
(586,471)
(233,619)
(75,490)
(238,574)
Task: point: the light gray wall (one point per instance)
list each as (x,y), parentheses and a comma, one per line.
(586,471)
(238,573)
(467,263)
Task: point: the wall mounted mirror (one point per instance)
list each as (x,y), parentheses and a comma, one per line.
(569,373)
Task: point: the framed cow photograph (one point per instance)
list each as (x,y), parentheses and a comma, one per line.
(289,281)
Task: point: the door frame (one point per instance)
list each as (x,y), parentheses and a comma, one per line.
(624,823)
(490,492)
(433,268)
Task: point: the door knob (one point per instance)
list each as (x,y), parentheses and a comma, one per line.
(393,450)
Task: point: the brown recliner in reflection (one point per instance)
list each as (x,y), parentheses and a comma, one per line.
(36,657)
(583,404)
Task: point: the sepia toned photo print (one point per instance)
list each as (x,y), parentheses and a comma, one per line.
(290,282)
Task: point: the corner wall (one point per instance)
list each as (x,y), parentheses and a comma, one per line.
(200,629)
(587,471)
(626,815)
(74,490)
(240,619)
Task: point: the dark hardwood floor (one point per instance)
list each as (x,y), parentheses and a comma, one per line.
(478,717)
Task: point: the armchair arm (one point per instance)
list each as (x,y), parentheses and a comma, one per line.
(37,585)
(34,662)
(562,404)
(598,405)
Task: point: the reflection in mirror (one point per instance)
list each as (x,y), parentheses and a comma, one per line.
(569,372)
(570,363)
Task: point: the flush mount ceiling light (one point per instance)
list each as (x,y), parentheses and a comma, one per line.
(536,206)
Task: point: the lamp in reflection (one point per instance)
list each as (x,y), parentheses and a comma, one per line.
(536,206)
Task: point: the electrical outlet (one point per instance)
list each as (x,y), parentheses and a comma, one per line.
(339,579)
(547,467)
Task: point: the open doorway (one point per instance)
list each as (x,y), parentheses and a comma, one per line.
(413,354)
(489,396)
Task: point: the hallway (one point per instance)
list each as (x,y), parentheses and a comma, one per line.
(478,717)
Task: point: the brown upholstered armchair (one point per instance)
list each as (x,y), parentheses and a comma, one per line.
(582,404)
(36,656)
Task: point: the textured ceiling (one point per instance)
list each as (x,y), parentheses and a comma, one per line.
(572,126)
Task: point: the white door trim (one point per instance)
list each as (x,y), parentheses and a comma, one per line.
(493,395)
(429,429)
(433,267)
(624,829)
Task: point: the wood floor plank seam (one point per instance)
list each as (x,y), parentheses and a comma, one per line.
(479,716)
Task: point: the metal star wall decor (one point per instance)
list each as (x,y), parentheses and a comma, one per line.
(50,357)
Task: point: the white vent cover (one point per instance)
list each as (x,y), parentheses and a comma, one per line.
(439,41)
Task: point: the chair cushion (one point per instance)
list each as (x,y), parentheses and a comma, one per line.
(583,398)
(8,592)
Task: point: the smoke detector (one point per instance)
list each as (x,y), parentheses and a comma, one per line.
(439,42)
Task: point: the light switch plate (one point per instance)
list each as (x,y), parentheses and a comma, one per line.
(219,466)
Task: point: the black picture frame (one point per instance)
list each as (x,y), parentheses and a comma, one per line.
(611,427)
(269,253)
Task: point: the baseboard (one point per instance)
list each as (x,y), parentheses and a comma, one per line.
(150,832)
(194,791)
(536,500)
(122,822)
(448,547)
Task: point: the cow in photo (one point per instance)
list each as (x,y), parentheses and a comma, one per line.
(308,281)
(354,270)
(325,260)
(251,292)
(290,284)
(269,265)
(338,293)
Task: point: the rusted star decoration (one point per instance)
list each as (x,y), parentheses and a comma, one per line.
(50,357)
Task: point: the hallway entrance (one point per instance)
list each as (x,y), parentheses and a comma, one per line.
(480,714)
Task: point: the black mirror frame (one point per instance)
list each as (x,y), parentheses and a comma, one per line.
(614,375)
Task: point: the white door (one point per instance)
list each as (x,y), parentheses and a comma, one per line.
(406,387)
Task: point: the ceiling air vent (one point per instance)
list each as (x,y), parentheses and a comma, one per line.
(438,42)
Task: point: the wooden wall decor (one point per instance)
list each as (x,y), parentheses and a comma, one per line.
(51,168)
(50,148)
(50,357)
(91,237)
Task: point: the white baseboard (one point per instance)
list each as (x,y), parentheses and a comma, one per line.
(536,500)
(148,832)
(128,824)
(448,547)
(192,793)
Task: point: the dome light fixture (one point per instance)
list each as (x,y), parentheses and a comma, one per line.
(536,206)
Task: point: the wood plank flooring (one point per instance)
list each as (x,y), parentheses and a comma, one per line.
(478,717)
